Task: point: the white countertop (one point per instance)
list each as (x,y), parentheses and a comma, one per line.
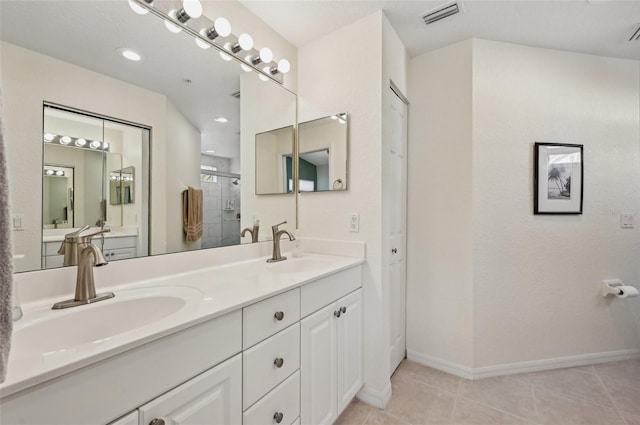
(57,235)
(209,292)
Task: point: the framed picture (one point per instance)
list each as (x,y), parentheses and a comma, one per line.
(557,178)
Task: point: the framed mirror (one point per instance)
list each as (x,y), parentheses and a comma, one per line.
(201,114)
(323,154)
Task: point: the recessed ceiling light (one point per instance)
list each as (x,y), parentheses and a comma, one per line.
(221,119)
(132,55)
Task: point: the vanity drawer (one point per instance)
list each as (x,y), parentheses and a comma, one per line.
(119,242)
(322,292)
(284,399)
(267,317)
(260,371)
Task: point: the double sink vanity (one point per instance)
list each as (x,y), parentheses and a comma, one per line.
(248,342)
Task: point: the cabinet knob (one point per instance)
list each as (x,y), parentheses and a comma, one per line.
(279,361)
(157,422)
(343,309)
(278,416)
(279,315)
(337,313)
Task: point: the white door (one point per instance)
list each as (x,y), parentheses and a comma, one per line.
(349,334)
(397,195)
(212,398)
(318,369)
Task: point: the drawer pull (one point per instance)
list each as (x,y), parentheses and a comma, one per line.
(337,313)
(278,362)
(343,309)
(157,422)
(279,315)
(278,416)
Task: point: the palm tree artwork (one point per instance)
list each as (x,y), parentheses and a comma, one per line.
(563,186)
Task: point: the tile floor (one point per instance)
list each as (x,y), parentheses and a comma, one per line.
(606,394)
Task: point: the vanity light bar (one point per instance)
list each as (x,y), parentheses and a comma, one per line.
(75,142)
(235,49)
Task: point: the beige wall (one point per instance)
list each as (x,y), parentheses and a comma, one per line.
(490,283)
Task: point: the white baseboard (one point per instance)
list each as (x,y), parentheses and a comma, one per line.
(522,367)
(374,397)
(440,364)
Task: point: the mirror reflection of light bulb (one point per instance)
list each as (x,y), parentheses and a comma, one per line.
(105,145)
(201,44)
(81,142)
(224,55)
(50,172)
(95,144)
(262,76)
(137,8)
(193,8)
(222,27)
(245,41)
(65,140)
(171,26)
(59,173)
(245,67)
(266,55)
(284,66)
(48,137)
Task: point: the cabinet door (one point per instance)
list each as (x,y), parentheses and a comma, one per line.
(349,334)
(318,370)
(212,398)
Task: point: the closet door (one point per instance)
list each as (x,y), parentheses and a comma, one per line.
(318,367)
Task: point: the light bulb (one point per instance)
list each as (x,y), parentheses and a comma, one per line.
(201,44)
(105,146)
(222,27)
(245,41)
(266,55)
(262,76)
(95,144)
(59,173)
(171,26)
(193,8)
(225,56)
(65,140)
(137,8)
(81,142)
(284,66)
(50,172)
(334,117)
(48,137)
(244,67)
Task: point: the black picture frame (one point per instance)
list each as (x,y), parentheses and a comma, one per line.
(558,178)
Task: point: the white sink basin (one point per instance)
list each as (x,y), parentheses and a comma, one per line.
(51,332)
(299,265)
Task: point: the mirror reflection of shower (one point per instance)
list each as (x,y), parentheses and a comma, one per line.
(221,191)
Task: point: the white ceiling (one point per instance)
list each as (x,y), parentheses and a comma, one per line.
(600,27)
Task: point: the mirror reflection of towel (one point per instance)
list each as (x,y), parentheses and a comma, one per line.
(192,200)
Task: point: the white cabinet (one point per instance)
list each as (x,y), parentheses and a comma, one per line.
(130,419)
(212,398)
(331,359)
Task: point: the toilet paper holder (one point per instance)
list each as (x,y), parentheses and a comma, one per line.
(618,288)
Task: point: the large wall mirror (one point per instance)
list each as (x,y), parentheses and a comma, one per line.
(128,137)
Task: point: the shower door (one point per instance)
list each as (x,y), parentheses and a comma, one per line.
(221,214)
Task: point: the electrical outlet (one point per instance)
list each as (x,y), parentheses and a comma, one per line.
(626,221)
(354,223)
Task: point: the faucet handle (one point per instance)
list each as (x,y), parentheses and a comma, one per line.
(87,238)
(275,226)
(70,236)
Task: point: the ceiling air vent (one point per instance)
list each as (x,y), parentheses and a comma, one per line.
(636,33)
(236,95)
(441,12)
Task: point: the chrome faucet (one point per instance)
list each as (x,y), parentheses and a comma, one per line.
(276,243)
(86,255)
(253,231)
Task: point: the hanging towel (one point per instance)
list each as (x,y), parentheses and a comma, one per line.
(6,262)
(192,213)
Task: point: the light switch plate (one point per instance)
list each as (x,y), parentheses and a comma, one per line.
(626,221)
(17,221)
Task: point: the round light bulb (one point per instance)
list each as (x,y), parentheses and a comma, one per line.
(105,145)
(222,27)
(201,44)
(48,137)
(245,67)
(262,76)
(284,66)
(50,172)
(170,25)
(193,8)
(65,140)
(245,41)
(95,144)
(266,55)
(137,8)
(225,56)
(59,173)
(81,142)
